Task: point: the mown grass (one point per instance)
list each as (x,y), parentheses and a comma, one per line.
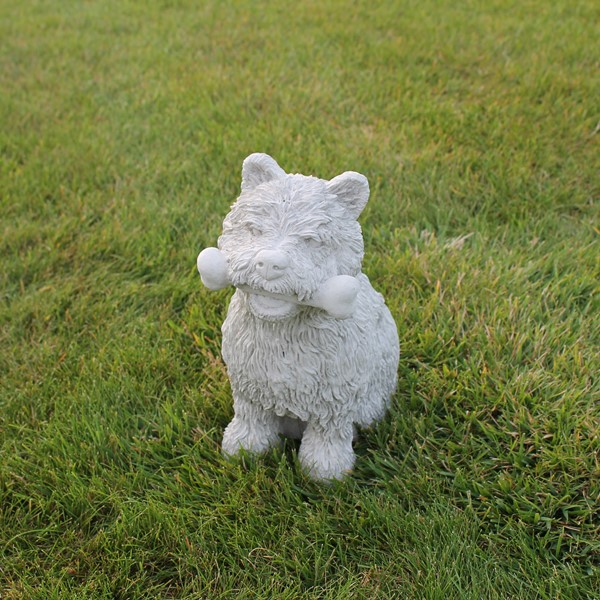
(124,128)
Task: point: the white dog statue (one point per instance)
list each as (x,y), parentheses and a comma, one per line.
(310,347)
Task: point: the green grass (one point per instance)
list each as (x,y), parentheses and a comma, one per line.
(124,128)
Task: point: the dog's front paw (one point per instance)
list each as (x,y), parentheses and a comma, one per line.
(326,457)
(239,435)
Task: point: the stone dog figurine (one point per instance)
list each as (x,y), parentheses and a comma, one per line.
(310,347)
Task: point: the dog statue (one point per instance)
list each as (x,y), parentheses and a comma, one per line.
(310,347)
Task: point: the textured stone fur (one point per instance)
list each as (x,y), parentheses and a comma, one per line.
(295,369)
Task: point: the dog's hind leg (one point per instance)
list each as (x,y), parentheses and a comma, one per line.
(292,427)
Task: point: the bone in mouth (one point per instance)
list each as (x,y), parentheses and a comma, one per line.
(337,296)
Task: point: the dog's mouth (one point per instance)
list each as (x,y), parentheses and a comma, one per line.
(270,306)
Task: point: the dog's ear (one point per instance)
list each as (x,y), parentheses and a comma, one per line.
(352,189)
(259,168)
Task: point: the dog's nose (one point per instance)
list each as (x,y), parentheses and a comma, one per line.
(271,264)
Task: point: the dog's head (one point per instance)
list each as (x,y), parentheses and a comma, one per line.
(287,234)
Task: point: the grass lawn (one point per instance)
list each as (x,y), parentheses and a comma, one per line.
(124,126)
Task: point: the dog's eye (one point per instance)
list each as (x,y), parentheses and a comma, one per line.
(312,242)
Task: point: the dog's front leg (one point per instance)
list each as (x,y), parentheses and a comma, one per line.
(326,451)
(252,429)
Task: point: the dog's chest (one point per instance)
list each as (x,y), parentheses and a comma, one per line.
(282,365)
(276,352)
